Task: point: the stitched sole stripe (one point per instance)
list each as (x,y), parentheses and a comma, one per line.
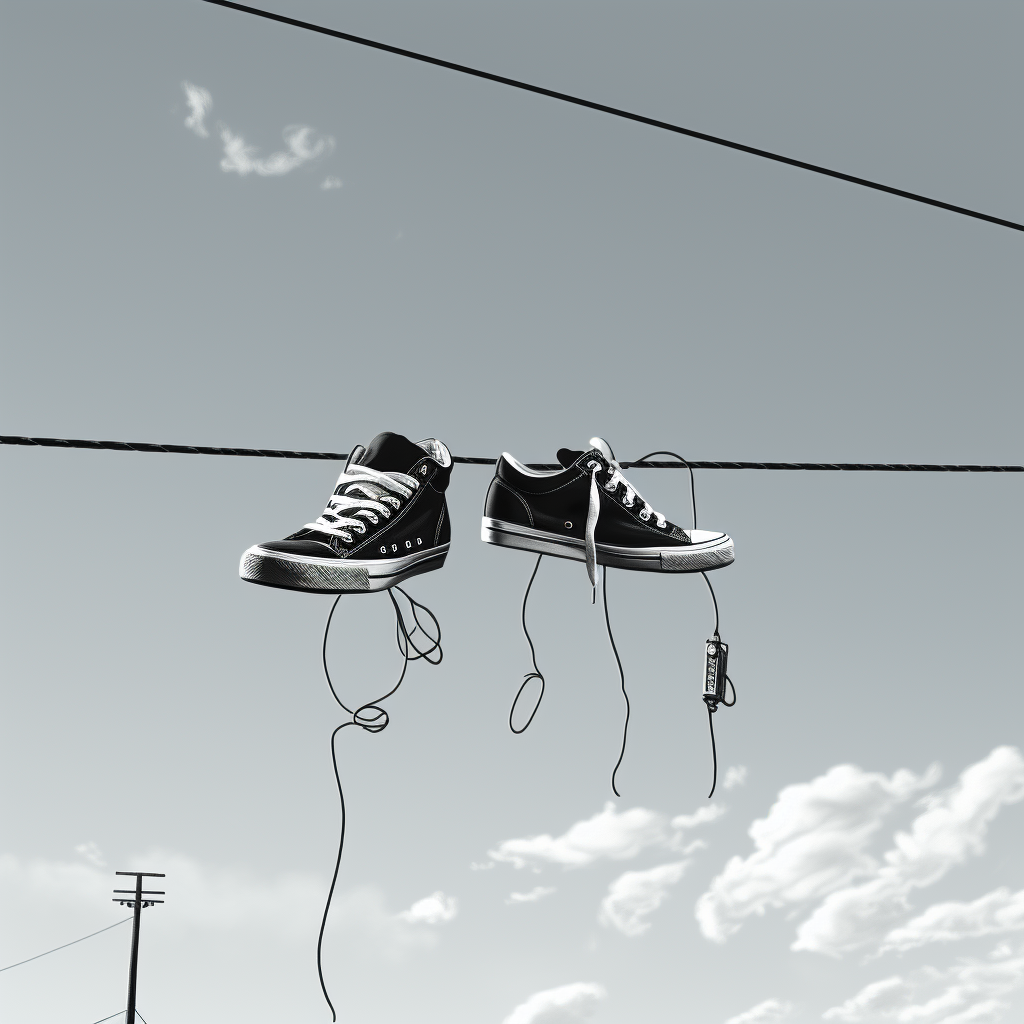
(712,554)
(326,576)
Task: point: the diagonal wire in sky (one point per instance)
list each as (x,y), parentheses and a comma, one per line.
(617,112)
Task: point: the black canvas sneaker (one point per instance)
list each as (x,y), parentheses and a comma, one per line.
(386,521)
(590,512)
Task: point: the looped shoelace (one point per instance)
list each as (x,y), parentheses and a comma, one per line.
(629,498)
(373,493)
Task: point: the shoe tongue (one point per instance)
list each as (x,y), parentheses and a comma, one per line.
(566,456)
(391,453)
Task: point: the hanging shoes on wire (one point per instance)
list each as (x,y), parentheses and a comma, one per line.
(588,511)
(387,520)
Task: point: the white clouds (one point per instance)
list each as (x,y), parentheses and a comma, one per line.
(763,1013)
(969,992)
(535,894)
(608,835)
(302,144)
(952,828)
(735,776)
(557,1005)
(433,909)
(874,999)
(634,896)
(199,104)
(240,158)
(997,912)
(701,816)
(92,853)
(813,840)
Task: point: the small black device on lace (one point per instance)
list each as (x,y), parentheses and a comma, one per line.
(716,664)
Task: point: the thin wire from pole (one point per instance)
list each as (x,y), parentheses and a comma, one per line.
(277,453)
(65,946)
(617,112)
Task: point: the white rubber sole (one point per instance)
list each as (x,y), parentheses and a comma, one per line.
(335,575)
(708,551)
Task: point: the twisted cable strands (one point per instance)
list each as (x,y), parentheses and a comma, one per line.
(276,453)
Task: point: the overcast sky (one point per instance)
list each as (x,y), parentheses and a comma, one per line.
(222,231)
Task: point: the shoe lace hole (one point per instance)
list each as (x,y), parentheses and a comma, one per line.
(568,525)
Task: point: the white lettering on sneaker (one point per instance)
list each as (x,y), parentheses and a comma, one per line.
(383,550)
(394,547)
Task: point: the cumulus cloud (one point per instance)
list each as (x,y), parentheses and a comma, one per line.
(330,183)
(763,1013)
(303,145)
(433,909)
(535,894)
(995,913)
(199,104)
(609,835)
(634,896)
(735,776)
(970,992)
(574,1002)
(813,841)
(952,828)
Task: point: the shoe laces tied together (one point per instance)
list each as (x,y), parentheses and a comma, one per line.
(373,493)
(629,498)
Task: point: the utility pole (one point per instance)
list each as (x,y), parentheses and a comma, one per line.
(137,899)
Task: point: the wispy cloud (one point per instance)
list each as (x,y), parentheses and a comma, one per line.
(634,896)
(561,1005)
(92,853)
(813,841)
(608,835)
(437,908)
(970,992)
(199,104)
(303,146)
(880,997)
(535,894)
(735,776)
(764,1013)
(995,913)
(953,828)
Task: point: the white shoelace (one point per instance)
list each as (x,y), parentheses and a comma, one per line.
(373,493)
(630,497)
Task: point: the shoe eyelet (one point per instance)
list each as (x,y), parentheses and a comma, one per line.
(644,516)
(360,528)
(423,470)
(568,525)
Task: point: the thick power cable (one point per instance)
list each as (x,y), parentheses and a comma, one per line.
(465,460)
(616,112)
(65,946)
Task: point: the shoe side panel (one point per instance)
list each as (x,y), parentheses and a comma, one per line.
(505,503)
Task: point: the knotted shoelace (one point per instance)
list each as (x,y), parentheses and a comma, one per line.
(374,495)
(630,496)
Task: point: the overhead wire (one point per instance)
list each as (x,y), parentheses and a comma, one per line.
(65,946)
(615,112)
(278,453)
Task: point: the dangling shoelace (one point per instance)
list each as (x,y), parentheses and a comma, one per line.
(373,493)
(630,497)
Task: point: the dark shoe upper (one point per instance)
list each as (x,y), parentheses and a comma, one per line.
(389,501)
(558,502)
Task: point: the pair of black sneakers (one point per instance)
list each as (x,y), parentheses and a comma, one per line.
(388,520)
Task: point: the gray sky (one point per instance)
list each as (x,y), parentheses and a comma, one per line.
(509,273)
